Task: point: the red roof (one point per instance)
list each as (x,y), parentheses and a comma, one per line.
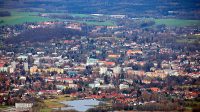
(154,89)
(68,41)
(1,64)
(109,63)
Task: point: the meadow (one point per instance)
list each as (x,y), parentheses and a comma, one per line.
(177,22)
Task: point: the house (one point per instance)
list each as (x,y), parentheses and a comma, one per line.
(61,87)
(67,80)
(74,86)
(33,69)
(93,85)
(22,57)
(103,70)
(91,61)
(2,68)
(52,92)
(106,86)
(113,56)
(109,63)
(154,89)
(132,52)
(123,86)
(52,69)
(72,73)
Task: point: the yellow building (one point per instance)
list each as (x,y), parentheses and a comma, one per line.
(52,69)
(33,69)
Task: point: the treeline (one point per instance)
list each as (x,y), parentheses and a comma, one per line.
(146,107)
(45,34)
(59,16)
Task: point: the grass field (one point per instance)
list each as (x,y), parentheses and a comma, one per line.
(177,22)
(22,17)
(55,103)
(46,110)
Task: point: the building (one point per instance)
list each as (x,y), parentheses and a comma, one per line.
(26,66)
(123,86)
(13,65)
(117,70)
(22,57)
(103,70)
(91,61)
(33,69)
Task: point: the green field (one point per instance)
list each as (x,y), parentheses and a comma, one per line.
(18,17)
(177,22)
(22,17)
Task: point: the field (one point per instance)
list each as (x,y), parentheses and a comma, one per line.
(89,22)
(177,22)
(19,17)
(55,103)
(22,17)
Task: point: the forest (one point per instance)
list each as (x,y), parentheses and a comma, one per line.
(44,34)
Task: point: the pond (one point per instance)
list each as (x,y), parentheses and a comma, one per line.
(80,105)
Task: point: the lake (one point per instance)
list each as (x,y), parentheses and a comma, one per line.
(80,105)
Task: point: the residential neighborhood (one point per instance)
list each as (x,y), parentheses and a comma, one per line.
(99,56)
(122,71)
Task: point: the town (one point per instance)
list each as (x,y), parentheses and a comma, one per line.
(129,66)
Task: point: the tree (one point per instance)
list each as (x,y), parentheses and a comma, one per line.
(106,79)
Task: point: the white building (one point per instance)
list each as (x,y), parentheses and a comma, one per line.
(26,66)
(117,70)
(11,69)
(123,86)
(37,61)
(22,57)
(13,65)
(103,70)
(91,61)
(3,69)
